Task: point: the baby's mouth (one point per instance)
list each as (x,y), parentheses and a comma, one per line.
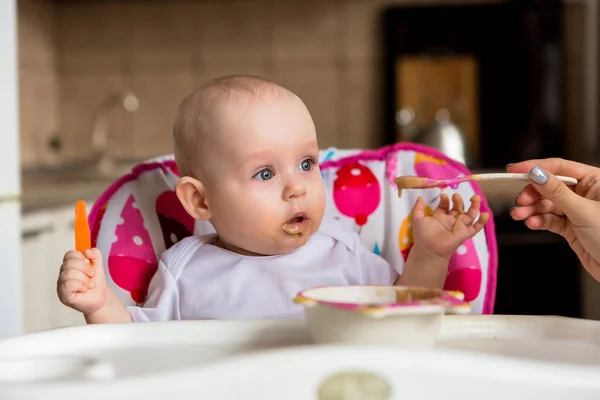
(298,225)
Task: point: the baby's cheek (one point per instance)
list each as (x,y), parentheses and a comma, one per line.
(261,222)
(232,219)
(266,226)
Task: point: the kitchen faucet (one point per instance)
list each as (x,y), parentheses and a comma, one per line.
(129,101)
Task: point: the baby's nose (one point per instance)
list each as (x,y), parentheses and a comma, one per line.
(294,189)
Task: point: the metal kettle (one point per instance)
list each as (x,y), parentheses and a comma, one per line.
(444,136)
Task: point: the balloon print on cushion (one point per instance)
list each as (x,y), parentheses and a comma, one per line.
(405,233)
(464,271)
(356,192)
(435,168)
(129,272)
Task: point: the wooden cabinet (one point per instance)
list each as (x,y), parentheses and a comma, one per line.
(497,67)
(36,269)
(46,236)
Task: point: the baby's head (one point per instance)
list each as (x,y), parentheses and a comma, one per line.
(247,152)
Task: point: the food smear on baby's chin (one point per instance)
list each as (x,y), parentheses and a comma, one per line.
(298,229)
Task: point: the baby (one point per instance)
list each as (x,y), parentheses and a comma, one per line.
(247,152)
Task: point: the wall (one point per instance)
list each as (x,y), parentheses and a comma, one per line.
(38,80)
(161,49)
(76,53)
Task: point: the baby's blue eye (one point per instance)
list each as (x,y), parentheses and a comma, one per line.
(264,175)
(306,165)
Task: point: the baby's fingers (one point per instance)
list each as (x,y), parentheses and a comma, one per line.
(78,265)
(444,202)
(75,274)
(95,256)
(67,289)
(474,208)
(418,210)
(74,255)
(457,203)
(478,226)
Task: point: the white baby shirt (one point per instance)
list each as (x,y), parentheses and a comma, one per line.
(197,280)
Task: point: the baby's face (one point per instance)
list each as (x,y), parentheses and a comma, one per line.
(263,184)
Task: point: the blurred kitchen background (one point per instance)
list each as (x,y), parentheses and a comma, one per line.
(99,80)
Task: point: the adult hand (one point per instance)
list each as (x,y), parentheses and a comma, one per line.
(548,204)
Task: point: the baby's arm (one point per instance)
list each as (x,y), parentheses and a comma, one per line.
(82,286)
(424,269)
(420,270)
(437,237)
(113,311)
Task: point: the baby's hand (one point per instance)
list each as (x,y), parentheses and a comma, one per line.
(82,285)
(443,232)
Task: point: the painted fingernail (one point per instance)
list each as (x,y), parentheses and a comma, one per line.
(538,175)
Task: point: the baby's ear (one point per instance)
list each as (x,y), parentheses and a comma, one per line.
(192,195)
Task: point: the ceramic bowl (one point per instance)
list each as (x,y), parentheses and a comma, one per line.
(396,315)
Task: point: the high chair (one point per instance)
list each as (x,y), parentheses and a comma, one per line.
(139,217)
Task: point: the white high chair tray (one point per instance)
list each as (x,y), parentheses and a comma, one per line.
(154,358)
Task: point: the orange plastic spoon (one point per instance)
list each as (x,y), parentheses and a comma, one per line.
(83,239)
